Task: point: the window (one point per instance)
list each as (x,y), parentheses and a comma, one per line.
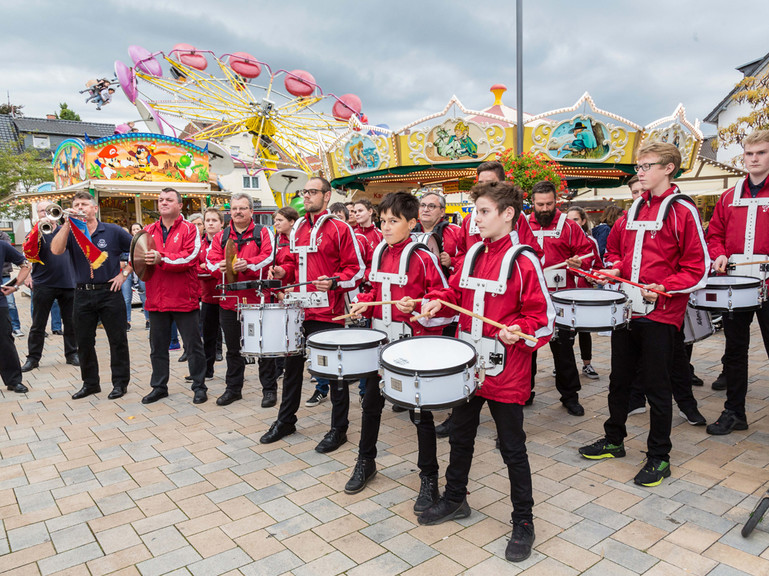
(251,182)
(41,142)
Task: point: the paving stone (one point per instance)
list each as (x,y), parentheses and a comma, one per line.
(328,565)
(605,567)
(293,526)
(383,565)
(395,496)
(28,536)
(756,544)
(72,537)
(281,509)
(169,561)
(221,563)
(408,548)
(725,570)
(269,493)
(624,555)
(273,565)
(73,519)
(387,529)
(69,559)
(586,534)
(603,516)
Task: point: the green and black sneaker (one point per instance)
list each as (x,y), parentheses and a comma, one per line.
(653,472)
(602,449)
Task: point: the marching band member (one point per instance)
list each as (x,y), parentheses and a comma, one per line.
(432,218)
(255,253)
(10,367)
(663,248)
(562,240)
(738,233)
(326,255)
(98,295)
(497,266)
(363,211)
(398,255)
(173,295)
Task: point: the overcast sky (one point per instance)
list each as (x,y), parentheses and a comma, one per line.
(405,59)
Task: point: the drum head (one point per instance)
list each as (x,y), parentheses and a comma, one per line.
(726,282)
(347,338)
(140,244)
(588,296)
(230,254)
(428,355)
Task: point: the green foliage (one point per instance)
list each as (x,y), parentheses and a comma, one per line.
(9,108)
(21,170)
(66,113)
(753,90)
(527,169)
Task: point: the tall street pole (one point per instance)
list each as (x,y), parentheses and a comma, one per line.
(519,76)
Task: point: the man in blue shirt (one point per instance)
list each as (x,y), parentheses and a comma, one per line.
(98,297)
(10,367)
(52,281)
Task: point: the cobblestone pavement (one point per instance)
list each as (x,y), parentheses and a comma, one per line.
(102,487)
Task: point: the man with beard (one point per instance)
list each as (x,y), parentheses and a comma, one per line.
(562,240)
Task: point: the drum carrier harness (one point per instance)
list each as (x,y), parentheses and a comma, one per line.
(309,299)
(752,204)
(553,278)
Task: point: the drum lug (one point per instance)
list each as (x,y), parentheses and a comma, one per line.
(416,382)
(417,411)
(467,392)
(417,403)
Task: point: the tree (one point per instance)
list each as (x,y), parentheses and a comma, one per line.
(20,171)
(11,109)
(753,90)
(66,113)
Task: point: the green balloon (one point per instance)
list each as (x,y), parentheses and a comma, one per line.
(297,203)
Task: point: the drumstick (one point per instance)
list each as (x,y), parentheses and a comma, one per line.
(378,303)
(565,263)
(597,275)
(483,319)
(733,264)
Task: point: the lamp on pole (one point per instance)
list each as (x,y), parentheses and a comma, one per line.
(519,76)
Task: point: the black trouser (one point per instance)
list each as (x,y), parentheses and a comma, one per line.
(586,346)
(92,306)
(373,403)
(566,373)
(43,298)
(737,332)
(645,350)
(236,363)
(10,367)
(268,374)
(680,378)
(160,338)
(209,315)
(512,444)
(292,384)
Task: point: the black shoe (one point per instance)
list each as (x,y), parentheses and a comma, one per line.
(720,382)
(442,430)
(277,431)
(147,325)
(155,395)
(83,392)
(18,388)
(693,416)
(444,510)
(29,365)
(228,398)
(728,420)
(117,392)
(73,361)
(364,471)
(58,332)
(519,546)
(697,381)
(602,448)
(574,408)
(399,408)
(333,439)
(219,357)
(128,327)
(653,472)
(200,396)
(428,493)
(183,357)
(530,401)
(269,399)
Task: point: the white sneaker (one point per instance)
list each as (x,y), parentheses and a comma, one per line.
(639,410)
(18,334)
(590,372)
(315,399)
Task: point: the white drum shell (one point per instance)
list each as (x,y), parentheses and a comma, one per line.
(590,310)
(727,293)
(751,270)
(555,279)
(697,325)
(402,383)
(346,353)
(271,330)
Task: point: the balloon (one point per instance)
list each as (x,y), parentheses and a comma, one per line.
(300,83)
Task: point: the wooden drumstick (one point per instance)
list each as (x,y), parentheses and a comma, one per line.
(602,276)
(377,303)
(565,263)
(732,264)
(481,318)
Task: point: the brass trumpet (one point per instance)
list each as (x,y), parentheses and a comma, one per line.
(56,212)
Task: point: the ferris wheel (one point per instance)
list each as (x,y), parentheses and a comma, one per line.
(198,95)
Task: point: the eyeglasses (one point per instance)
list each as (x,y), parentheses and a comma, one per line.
(310,192)
(429,206)
(646,167)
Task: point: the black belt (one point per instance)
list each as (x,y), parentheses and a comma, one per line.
(103,286)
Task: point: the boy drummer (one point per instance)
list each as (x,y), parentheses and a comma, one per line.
(502,280)
(398,215)
(663,248)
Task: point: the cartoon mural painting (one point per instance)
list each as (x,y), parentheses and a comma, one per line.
(69,163)
(360,153)
(579,138)
(455,141)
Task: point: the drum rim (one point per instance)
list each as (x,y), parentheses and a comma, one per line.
(294,304)
(751,283)
(443,406)
(354,346)
(354,376)
(432,372)
(620,299)
(751,308)
(593,329)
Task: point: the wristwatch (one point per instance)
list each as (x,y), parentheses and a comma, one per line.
(126,273)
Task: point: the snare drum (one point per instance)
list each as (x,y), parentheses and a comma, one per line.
(429,372)
(697,325)
(344,353)
(271,330)
(590,309)
(727,293)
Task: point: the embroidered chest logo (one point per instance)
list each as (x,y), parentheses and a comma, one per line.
(101,243)
(176,237)
(319,239)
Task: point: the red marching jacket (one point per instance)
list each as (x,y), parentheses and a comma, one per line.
(338,254)
(727,228)
(572,242)
(675,256)
(283,255)
(258,259)
(172,284)
(467,239)
(526,302)
(593,262)
(373,236)
(209,280)
(613,243)
(424,274)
